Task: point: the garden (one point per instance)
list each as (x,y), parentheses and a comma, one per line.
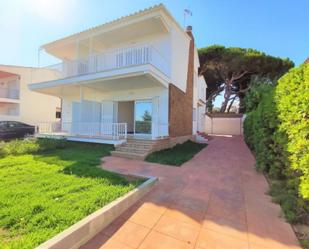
(50,185)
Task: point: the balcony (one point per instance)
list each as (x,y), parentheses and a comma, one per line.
(9,111)
(115,59)
(9,93)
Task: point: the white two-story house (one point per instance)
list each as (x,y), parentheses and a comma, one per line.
(18,103)
(135,77)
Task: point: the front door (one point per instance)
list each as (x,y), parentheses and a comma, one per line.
(143,117)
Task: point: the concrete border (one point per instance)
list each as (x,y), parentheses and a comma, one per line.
(85,229)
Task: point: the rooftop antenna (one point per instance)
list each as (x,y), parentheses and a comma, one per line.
(186,12)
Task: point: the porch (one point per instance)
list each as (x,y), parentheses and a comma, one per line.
(93,117)
(106,133)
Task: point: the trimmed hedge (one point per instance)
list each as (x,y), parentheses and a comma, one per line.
(277,130)
(292,99)
(20,147)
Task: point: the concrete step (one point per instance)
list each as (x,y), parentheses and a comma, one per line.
(133,150)
(128,155)
(201,139)
(140,141)
(138,146)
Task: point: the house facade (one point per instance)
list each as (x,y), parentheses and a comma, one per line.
(18,103)
(136,77)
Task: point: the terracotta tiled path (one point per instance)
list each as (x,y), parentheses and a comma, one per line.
(216,200)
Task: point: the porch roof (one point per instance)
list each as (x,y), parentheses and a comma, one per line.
(104,81)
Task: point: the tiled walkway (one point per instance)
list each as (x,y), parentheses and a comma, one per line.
(217,201)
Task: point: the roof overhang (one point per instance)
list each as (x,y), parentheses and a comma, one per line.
(144,76)
(151,21)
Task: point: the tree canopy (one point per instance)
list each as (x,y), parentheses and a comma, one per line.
(230,70)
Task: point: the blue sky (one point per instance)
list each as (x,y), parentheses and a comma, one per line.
(277,27)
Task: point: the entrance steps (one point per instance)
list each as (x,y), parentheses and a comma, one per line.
(201,137)
(136,148)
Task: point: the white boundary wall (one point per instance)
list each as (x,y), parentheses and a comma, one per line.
(224,124)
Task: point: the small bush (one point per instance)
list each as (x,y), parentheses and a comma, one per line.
(286,195)
(26,146)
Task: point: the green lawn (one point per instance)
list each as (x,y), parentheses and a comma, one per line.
(177,155)
(44,192)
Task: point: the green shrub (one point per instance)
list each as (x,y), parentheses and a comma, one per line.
(286,194)
(26,146)
(292,101)
(277,130)
(261,131)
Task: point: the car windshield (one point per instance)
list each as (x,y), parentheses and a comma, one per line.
(3,125)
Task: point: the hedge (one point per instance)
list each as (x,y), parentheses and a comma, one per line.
(277,130)
(292,101)
(20,147)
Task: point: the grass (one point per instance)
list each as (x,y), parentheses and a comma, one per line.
(177,155)
(304,243)
(44,192)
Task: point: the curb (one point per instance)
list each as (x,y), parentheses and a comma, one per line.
(85,229)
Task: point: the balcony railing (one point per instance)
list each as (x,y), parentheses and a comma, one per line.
(9,93)
(113,131)
(110,60)
(14,112)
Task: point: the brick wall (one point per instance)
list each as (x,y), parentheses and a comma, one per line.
(167,143)
(180,103)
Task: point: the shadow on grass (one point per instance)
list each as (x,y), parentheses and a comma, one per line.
(177,155)
(82,160)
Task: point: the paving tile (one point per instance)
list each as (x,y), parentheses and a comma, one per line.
(225,226)
(114,244)
(228,209)
(146,217)
(188,202)
(213,240)
(185,214)
(177,229)
(114,226)
(254,246)
(154,207)
(131,234)
(156,240)
(269,243)
(97,242)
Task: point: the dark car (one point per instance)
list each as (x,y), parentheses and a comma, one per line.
(13,129)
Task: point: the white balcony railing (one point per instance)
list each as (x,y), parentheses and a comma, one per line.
(9,93)
(110,60)
(113,131)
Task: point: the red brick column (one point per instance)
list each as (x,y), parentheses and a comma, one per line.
(180,103)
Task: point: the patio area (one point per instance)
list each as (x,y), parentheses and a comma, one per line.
(217,200)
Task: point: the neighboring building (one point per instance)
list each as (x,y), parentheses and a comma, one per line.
(307,61)
(137,75)
(18,103)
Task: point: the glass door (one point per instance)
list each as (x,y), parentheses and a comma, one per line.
(143,117)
